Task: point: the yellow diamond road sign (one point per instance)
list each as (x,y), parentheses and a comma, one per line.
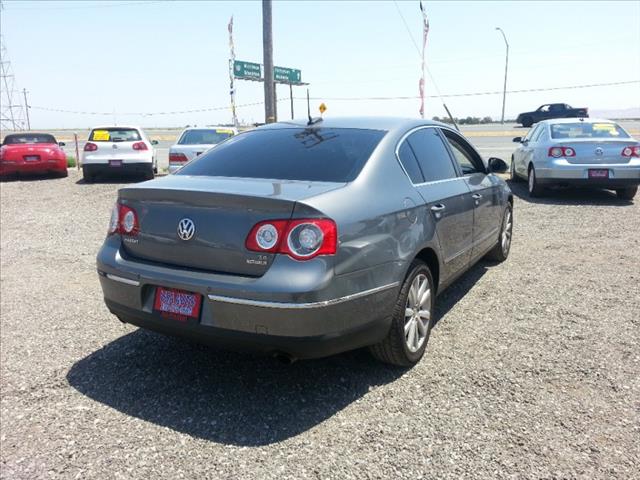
(322,108)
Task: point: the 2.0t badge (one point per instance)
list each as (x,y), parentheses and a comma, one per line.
(186,229)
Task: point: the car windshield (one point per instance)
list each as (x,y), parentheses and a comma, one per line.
(307,154)
(210,136)
(588,130)
(20,138)
(114,135)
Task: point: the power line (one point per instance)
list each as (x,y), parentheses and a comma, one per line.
(410,97)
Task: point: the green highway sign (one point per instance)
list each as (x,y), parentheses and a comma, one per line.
(287,75)
(247,70)
(253,71)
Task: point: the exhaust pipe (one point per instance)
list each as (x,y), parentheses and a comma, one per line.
(284,358)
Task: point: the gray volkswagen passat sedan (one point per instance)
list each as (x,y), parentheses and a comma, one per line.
(304,239)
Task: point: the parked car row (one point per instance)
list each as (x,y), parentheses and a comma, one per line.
(111,149)
(305,239)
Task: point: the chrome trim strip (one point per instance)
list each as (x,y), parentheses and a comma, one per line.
(325,303)
(126,281)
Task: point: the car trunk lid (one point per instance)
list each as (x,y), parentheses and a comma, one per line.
(598,152)
(223,211)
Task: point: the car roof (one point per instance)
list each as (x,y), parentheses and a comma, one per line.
(117,126)
(371,123)
(553,121)
(211,127)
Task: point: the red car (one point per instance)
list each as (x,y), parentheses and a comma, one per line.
(32,153)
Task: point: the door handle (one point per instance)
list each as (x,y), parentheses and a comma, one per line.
(477,196)
(438,208)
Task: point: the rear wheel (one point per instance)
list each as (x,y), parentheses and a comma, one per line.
(148,173)
(627,193)
(62,173)
(412,319)
(500,252)
(87,176)
(535,189)
(512,172)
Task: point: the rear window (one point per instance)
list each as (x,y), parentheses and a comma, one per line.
(308,154)
(204,136)
(588,130)
(114,135)
(19,138)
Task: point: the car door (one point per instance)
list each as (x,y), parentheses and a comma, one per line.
(485,192)
(445,193)
(525,152)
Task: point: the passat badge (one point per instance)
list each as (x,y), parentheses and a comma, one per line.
(186,229)
(599,151)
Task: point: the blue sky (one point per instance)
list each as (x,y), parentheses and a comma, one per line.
(128,56)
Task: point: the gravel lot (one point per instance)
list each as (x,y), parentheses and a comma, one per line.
(531,372)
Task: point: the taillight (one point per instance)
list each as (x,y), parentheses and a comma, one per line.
(301,239)
(631,151)
(124,220)
(177,157)
(140,146)
(557,152)
(90,147)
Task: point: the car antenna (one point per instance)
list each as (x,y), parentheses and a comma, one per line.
(311,120)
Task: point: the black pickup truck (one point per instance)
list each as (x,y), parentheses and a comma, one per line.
(551,110)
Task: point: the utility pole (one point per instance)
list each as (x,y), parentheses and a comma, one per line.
(506,66)
(270,112)
(26,108)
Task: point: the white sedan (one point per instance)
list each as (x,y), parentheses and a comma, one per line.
(195,141)
(580,152)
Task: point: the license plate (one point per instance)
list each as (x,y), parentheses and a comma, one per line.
(115,163)
(177,304)
(599,173)
(32,158)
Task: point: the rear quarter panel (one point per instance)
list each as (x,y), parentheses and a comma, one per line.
(381,218)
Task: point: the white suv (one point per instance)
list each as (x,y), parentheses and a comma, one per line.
(118,149)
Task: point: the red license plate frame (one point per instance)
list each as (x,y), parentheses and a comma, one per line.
(598,173)
(177,304)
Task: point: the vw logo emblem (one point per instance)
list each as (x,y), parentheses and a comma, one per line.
(186,229)
(599,151)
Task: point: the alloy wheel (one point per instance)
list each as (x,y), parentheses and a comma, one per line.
(417,313)
(507,230)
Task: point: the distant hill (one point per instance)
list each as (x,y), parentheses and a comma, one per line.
(633,112)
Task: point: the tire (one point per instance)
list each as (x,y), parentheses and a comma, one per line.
(534,188)
(87,176)
(62,173)
(149,174)
(500,251)
(527,121)
(407,339)
(513,176)
(626,193)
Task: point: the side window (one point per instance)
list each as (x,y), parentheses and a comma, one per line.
(531,133)
(538,134)
(467,158)
(410,162)
(433,157)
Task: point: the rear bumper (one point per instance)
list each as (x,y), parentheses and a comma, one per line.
(240,313)
(105,168)
(562,172)
(10,168)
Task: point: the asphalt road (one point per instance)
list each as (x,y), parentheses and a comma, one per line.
(531,370)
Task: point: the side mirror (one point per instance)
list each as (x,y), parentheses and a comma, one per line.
(154,142)
(497,165)
(61,144)
(517,140)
